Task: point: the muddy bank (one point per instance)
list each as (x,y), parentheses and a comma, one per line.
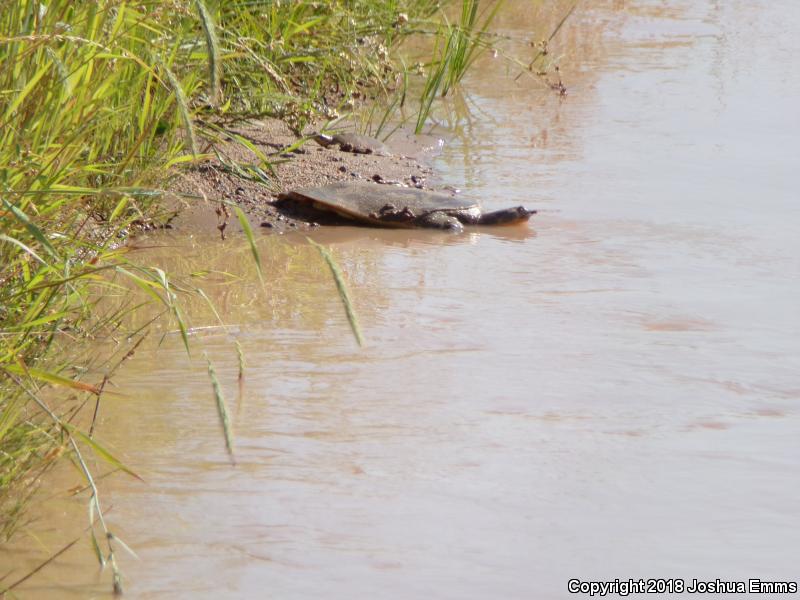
(230,178)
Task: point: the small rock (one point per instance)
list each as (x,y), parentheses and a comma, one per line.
(343,169)
(267,224)
(380,179)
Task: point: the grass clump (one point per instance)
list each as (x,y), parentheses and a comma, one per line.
(457,47)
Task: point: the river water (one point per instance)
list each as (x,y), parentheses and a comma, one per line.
(611,393)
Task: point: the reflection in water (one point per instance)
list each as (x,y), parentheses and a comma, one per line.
(614,396)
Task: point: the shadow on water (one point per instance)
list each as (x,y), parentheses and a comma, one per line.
(406,238)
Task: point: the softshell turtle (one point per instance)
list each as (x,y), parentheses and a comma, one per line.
(390,206)
(354,142)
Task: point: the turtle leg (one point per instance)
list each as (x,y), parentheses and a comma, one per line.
(322,139)
(439,220)
(507,216)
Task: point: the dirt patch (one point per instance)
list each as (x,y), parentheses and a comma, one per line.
(233,177)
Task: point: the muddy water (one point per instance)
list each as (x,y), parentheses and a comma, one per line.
(610,394)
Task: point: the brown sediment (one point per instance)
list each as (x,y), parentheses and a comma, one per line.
(207,187)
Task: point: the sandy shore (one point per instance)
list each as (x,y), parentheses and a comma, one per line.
(214,182)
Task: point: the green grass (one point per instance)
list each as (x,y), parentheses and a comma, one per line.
(342,290)
(457,47)
(100,103)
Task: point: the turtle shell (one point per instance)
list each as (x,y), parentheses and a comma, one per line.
(381,204)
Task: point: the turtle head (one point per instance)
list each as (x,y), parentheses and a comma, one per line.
(507,216)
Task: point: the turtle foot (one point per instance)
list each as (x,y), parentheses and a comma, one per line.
(440,220)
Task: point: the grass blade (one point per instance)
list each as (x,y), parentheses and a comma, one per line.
(32,229)
(212,44)
(251,239)
(101,451)
(183,107)
(222,409)
(341,286)
(30,574)
(51,378)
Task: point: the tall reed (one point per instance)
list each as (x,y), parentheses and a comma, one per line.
(456,48)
